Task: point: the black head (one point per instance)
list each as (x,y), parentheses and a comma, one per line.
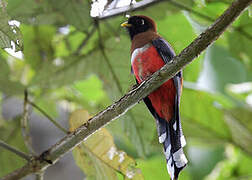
(139,24)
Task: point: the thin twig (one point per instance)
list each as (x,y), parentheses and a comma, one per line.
(189,9)
(39,175)
(108,63)
(242,32)
(120,107)
(115,32)
(84,42)
(25,124)
(47,116)
(14,150)
(77,60)
(26,131)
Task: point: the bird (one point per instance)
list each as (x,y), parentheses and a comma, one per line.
(149,53)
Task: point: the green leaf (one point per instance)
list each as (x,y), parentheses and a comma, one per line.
(9,33)
(201,16)
(198,28)
(34,12)
(69,70)
(90,89)
(202,117)
(250,11)
(225,168)
(244,163)
(200,3)
(162,9)
(38,51)
(98,156)
(241,131)
(243,115)
(213,9)
(155,168)
(20,9)
(7,85)
(203,159)
(240,91)
(220,69)
(10,133)
(236,165)
(47,18)
(49,107)
(75,12)
(240,42)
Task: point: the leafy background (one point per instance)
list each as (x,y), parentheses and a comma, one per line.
(71,61)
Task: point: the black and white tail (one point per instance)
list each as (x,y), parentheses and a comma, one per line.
(171,136)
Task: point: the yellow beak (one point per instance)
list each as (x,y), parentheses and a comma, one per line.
(126,24)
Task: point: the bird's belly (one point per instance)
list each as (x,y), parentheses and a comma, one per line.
(145,62)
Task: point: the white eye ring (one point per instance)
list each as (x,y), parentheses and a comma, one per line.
(142,22)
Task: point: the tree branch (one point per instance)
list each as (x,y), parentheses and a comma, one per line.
(26,132)
(14,150)
(85,40)
(39,175)
(25,124)
(47,116)
(133,96)
(132,7)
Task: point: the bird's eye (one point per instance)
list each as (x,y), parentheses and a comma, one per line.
(140,22)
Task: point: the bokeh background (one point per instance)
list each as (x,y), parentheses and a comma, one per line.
(69,60)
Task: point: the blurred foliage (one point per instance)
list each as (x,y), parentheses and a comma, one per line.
(10,132)
(85,62)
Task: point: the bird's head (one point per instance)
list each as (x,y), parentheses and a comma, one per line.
(139,24)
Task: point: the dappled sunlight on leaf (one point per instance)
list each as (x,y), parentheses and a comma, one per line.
(9,33)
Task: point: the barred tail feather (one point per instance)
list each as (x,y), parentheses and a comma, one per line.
(171,136)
